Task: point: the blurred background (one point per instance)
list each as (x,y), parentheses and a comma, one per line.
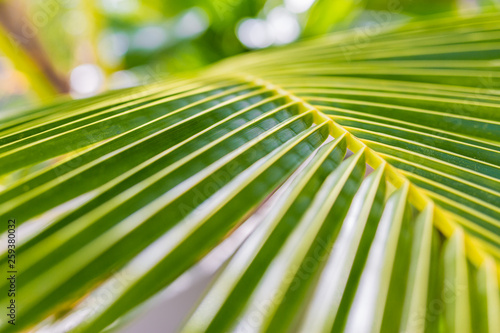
(53,49)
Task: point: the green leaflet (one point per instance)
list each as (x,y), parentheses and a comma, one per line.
(347,256)
(250,262)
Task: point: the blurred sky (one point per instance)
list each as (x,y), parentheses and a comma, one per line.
(79,48)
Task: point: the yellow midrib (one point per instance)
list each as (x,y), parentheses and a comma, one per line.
(443,220)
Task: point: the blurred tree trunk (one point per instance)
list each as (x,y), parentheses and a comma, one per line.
(23,34)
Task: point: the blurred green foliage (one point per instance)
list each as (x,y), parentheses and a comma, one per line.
(131,42)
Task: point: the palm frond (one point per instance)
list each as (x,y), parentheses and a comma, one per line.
(382,149)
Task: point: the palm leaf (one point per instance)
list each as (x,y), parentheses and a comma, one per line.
(378,149)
